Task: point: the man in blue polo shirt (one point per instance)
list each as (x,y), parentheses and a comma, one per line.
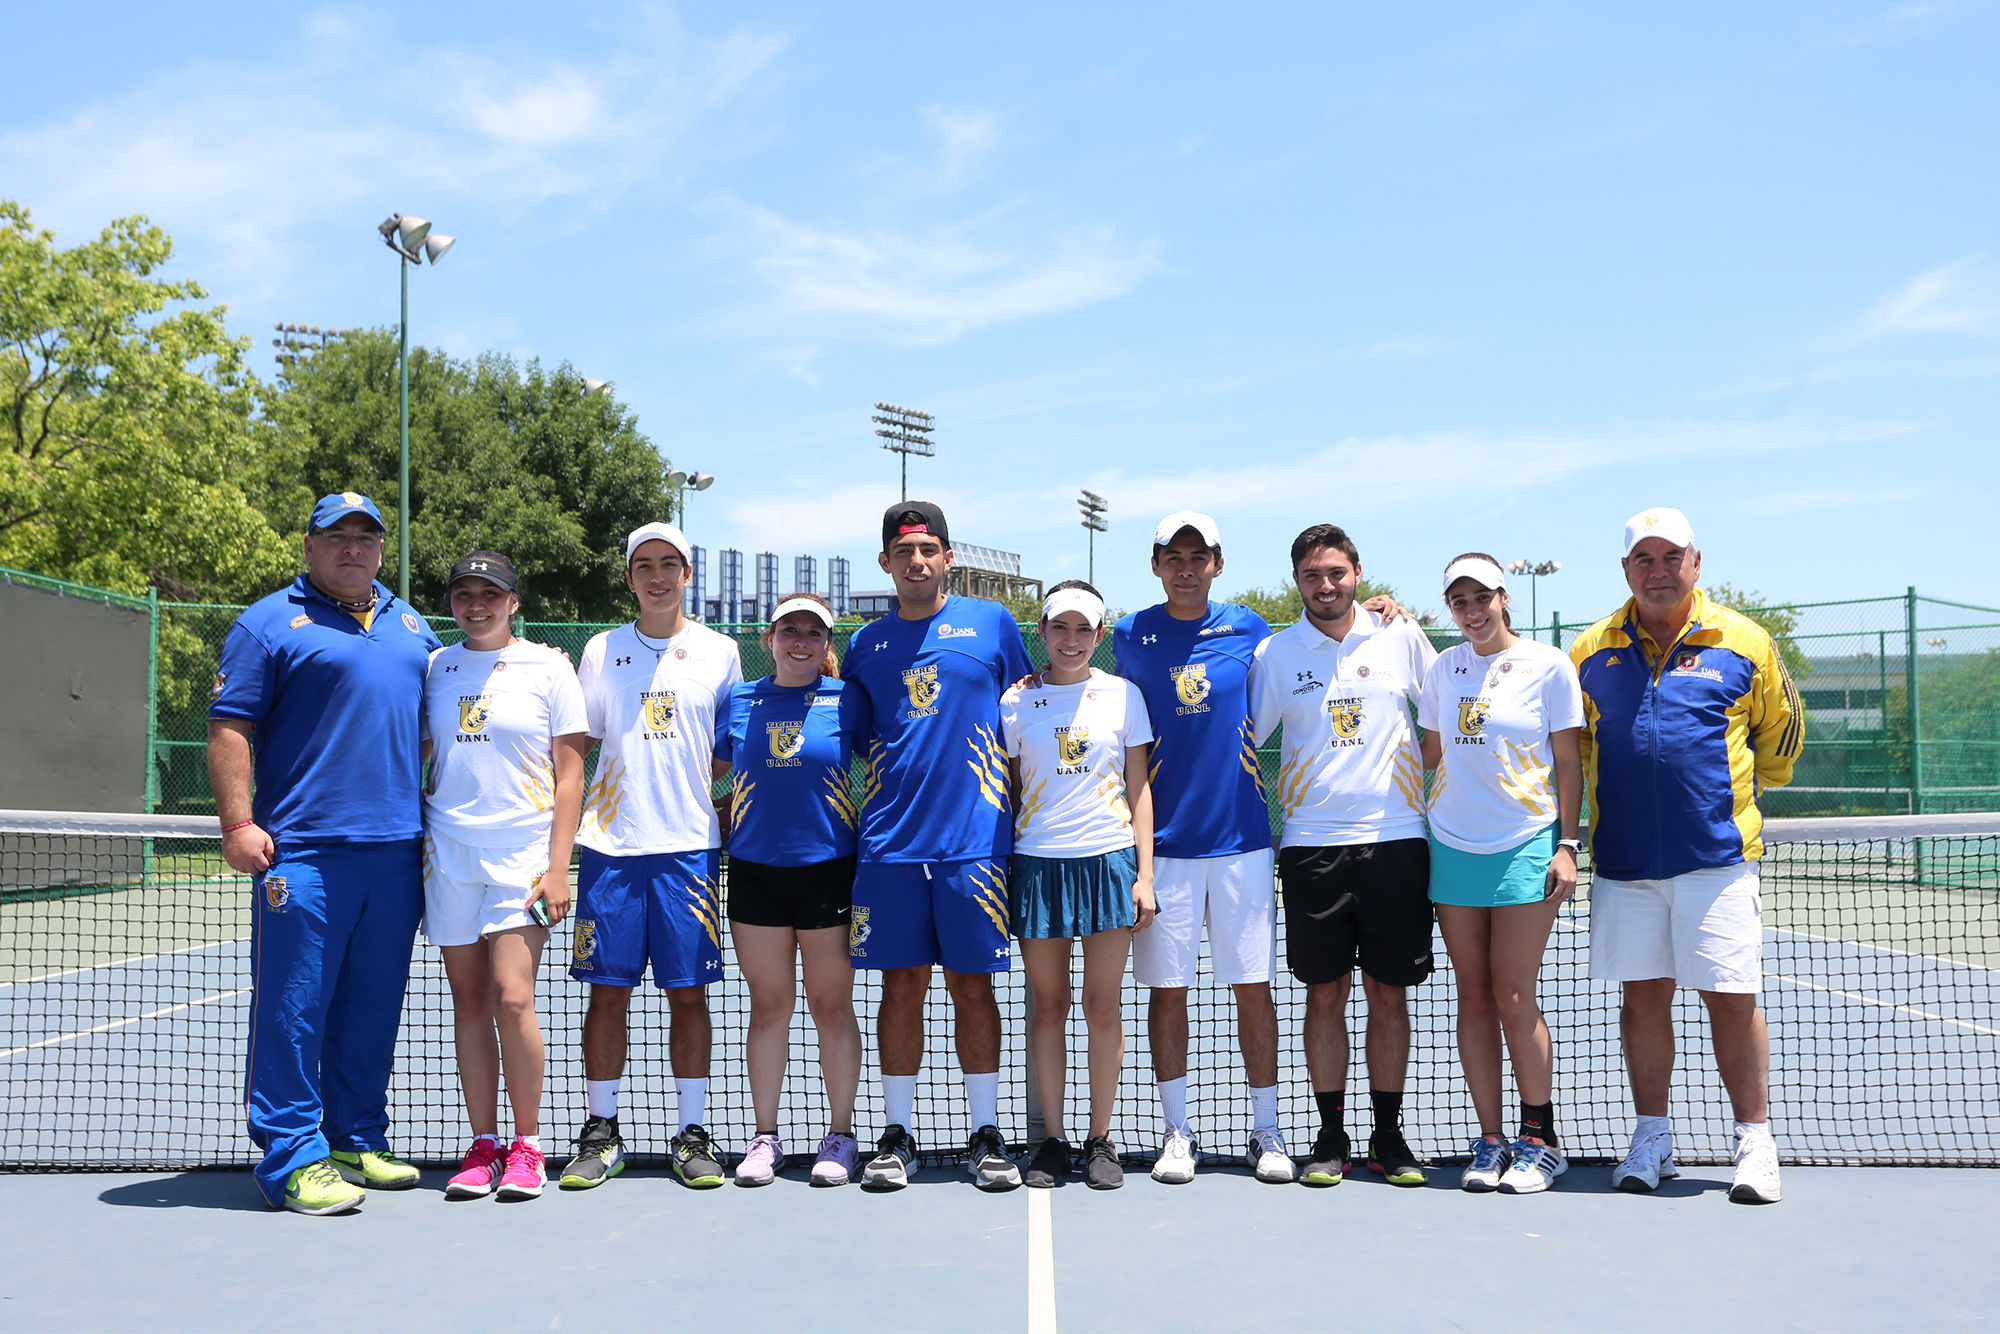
(319,693)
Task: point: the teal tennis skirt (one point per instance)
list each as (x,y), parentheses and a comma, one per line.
(1063,898)
(1493,879)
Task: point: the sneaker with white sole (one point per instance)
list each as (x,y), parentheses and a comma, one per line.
(374,1169)
(889,1169)
(600,1154)
(837,1160)
(761,1161)
(526,1171)
(1534,1169)
(480,1171)
(1756,1179)
(1647,1163)
(1267,1157)
(1489,1163)
(693,1157)
(1175,1165)
(987,1161)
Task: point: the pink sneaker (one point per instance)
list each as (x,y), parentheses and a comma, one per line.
(839,1155)
(761,1161)
(524,1173)
(479,1173)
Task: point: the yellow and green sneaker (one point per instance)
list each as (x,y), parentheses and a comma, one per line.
(317,1188)
(376,1169)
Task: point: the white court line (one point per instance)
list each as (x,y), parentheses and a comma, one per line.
(1041,1264)
(120,1023)
(1872,1000)
(120,963)
(1883,949)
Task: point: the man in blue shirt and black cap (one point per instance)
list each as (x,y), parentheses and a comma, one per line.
(319,693)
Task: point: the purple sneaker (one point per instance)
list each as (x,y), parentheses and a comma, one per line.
(761,1161)
(839,1155)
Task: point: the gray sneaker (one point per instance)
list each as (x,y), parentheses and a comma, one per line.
(986,1159)
(600,1155)
(889,1169)
(1101,1169)
(692,1156)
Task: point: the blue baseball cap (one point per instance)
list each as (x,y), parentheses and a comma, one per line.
(332,509)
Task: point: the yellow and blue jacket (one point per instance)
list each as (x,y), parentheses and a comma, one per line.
(1678,744)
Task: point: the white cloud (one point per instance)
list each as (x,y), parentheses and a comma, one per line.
(1962,297)
(966,137)
(1838,498)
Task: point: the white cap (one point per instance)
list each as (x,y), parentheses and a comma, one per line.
(1672,525)
(1163,536)
(1075,599)
(813,605)
(659,532)
(1476,568)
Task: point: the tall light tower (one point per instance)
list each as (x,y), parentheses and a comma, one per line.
(684,482)
(1534,570)
(907,432)
(302,340)
(1094,510)
(413,243)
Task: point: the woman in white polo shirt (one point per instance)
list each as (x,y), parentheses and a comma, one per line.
(504,736)
(1077,739)
(1501,717)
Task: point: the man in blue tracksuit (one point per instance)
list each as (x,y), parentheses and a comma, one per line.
(319,691)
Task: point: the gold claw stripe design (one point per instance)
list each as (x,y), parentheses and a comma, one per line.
(741,795)
(605,799)
(871,773)
(430,855)
(538,782)
(701,898)
(1249,758)
(989,766)
(1293,780)
(1437,785)
(842,801)
(1112,790)
(1032,800)
(1524,780)
(990,893)
(1408,774)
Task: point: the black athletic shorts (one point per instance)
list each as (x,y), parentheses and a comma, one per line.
(803,898)
(1368,902)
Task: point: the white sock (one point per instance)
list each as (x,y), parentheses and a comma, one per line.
(1173,1104)
(899,1100)
(1264,1107)
(532,1141)
(1753,1130)
(690,1100)
(603,1096)
(491,1139)
(982,1097)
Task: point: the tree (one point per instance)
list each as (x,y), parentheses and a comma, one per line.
(128,446)
(506,457)
(1777,621)
(1281,605)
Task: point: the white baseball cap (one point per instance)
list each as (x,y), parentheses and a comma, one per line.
(1669,524)
(1476,568)
(813,605)
(1074,599)
(659,532)
(1163,536)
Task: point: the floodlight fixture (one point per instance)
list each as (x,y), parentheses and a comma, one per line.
(905,431)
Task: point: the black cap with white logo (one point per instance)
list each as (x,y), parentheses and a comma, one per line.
(491,566)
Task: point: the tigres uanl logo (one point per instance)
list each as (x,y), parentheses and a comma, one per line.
(276,892)
(1191,682)
(660,708)
(858,932)
(922,683)
(586,940)
(1346,719)
(352,497)
(787,739)
(473,712)
(1472,716)
(1074,743)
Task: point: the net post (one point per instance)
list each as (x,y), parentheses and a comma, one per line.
(1913,704)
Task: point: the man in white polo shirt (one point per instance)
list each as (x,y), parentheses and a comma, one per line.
(1354,858)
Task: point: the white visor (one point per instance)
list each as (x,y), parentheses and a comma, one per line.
(1074,599)
(1482,572)
(812,605)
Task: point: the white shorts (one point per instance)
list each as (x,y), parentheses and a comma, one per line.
(1704,929)
(1236,895)
(470,892)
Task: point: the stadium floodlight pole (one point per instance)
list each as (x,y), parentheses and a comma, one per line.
(301,339)
(413,243)
(1094,509)
(1534,570)
(602,388)
(684,482)
(906,431)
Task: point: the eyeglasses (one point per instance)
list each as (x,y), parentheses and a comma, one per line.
(359,541)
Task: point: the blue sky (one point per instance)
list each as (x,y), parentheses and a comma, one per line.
(1454,277)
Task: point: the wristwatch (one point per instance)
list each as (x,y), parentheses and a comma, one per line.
(1573,844)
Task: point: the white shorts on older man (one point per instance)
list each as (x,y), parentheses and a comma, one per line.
(1704,929)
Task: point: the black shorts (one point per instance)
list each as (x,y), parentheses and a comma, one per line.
(1368,902)
(803,898)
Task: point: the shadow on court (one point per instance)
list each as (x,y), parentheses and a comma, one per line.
(188,1190)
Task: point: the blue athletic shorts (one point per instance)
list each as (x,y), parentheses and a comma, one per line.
(907,914)
(664,908)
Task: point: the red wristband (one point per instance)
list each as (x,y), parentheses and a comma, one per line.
(240,824)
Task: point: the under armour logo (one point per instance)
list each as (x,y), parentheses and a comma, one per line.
(1309,678)
(452,668)
(999,951)
(1461,671)
(478,565)
(621,662)
(1149,639)
(880,647)
(1041,704)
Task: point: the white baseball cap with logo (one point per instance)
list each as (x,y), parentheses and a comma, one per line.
(1670,525)
(1163,536)
(659,532)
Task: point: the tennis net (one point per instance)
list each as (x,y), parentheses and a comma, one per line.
(124,992)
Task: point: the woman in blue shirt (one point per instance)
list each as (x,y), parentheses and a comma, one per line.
(789,739)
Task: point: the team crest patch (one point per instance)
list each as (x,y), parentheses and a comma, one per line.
(1346,719)
(301,619)
(352,497)
(1472,716)
(215,692)
(660,709)
(858,932)
(1361,672)
(922,685)
(1074,742)
(1687,662)
(1191,683)
(787,740)
(277,894)
(1506,667)
(585,942)
(412,624)
(474,711)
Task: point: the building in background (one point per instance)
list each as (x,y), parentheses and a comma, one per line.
(988,572)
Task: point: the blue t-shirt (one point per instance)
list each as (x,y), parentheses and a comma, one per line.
(335,711)
(789,746)
(1208,790)
(929,705)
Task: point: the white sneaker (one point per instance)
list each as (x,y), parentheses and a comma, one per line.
(1175,1165)
(1489,1162)
(1647,1163)
(1535,1169)
(1266,1155)
(1756,1179)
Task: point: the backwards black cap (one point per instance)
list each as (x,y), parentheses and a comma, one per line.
(914,516)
